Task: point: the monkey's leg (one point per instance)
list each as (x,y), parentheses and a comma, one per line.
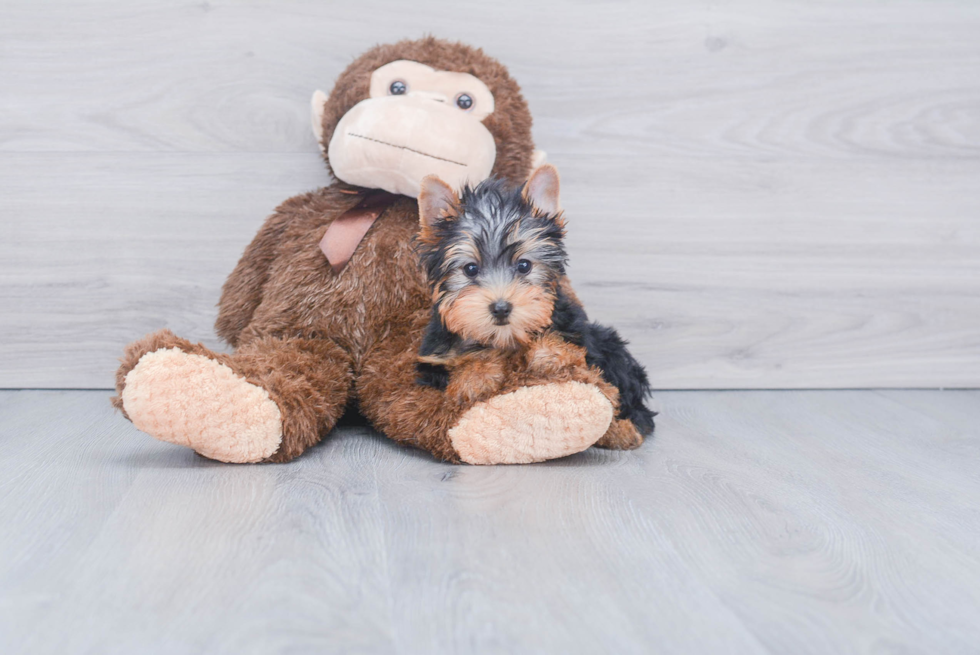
(269,401)
(552,355)
(531,416)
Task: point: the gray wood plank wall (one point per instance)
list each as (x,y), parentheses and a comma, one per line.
(760,194)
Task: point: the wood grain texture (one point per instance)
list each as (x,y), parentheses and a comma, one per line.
(760,194)
(754,522)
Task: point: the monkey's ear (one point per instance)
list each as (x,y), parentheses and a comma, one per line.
(538,158)
(542,189)
(317,105)
(436,200)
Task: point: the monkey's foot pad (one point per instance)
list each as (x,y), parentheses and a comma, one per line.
(532,424)
(194,401)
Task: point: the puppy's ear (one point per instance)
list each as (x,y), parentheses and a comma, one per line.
(541,190)
(437,200)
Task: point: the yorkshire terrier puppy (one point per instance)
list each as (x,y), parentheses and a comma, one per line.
(495,259)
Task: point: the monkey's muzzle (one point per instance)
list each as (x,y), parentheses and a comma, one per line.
(391,143)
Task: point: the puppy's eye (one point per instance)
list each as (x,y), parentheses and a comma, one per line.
(397,88)
(523,267)
(471,270)
(463,101)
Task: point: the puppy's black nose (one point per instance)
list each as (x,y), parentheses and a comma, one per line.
(501,310)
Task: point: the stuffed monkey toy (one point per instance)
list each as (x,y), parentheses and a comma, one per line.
(327,307)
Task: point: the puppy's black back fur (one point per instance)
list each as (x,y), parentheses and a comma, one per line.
(606,350)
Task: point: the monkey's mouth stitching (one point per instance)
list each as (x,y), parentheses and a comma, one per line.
(417,152)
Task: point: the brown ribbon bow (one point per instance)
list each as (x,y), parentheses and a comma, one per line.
(345,233)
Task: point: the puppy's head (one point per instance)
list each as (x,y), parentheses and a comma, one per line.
(493,255)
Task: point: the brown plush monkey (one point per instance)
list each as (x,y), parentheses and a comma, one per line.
(328,304)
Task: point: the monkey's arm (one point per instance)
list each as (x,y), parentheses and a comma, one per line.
(242,292)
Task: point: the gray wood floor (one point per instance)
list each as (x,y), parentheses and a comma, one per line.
(760,194)
(755,522)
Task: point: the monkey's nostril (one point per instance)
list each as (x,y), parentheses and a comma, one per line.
(501,309)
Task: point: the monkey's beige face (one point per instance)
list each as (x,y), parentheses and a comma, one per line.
(417,121)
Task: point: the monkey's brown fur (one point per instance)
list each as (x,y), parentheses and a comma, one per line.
(315,339)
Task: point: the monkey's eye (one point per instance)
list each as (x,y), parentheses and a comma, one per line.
(463,101)
(471,270)
(523,267)
(397,88)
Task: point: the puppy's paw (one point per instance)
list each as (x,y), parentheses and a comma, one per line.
(550,354)
(477,378)
(621,435)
